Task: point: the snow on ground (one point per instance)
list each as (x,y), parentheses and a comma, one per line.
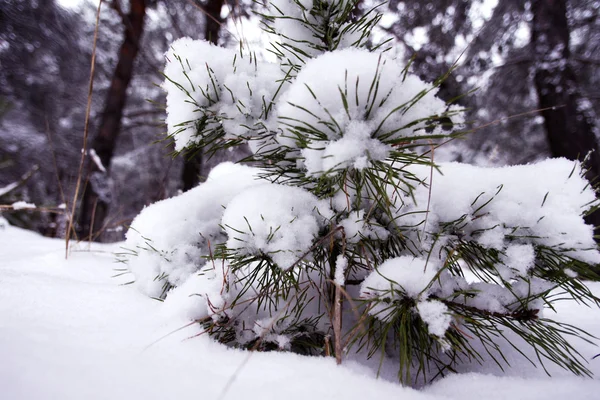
(68,330)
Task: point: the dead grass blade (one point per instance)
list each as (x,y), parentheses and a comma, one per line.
(71,227)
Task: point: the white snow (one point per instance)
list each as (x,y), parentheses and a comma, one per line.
(404,275)
(8,188)
(199,296)
(520,257)
(70,331)
(170,238)
(341,264)
(279,221)
(357,228)
(297,37)
(71,3)
(97,160)
(436,316)
(227,87)
(22,205)
(345,116)
(539,204)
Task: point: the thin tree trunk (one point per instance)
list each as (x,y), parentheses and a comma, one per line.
(213,20)
(193,167)
(569,122)
(96,198)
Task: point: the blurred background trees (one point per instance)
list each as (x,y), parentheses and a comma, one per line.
(529,69)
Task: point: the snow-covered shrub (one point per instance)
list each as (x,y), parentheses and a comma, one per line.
(171,238)
(348,236)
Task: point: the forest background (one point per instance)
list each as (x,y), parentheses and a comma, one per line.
(526,71)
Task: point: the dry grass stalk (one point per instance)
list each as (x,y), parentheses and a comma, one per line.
(71,227)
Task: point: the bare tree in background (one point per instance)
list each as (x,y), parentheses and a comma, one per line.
(213,20)
(568,118)
(96,198)
(44,72)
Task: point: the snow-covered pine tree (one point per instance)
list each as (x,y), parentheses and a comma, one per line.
(347,238)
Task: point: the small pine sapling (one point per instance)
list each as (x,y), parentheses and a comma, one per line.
(346,237)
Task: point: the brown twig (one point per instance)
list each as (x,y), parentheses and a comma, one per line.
(169,334)
(337,309)
(92,224)
(327,346)
(71,227)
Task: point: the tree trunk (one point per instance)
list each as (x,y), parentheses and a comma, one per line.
(568,118)
(213,20)
(193,170)
(96,197)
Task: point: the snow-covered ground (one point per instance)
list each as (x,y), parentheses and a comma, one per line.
(69,330)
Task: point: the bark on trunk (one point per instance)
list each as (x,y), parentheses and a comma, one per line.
(96,198)
(193,171)
(569,124)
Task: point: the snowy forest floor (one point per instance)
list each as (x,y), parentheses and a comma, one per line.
(69,330)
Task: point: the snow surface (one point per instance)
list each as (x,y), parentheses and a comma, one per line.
(70,331)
